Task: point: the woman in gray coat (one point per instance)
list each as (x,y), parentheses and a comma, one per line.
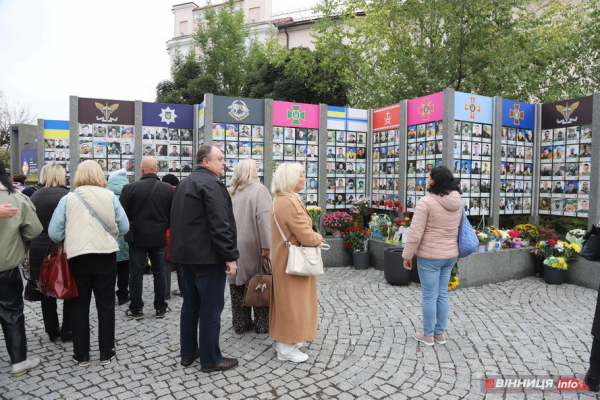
(251,204)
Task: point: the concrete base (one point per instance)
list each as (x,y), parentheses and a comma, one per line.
(492,267)
(584,273)
(475,270)
(336,256)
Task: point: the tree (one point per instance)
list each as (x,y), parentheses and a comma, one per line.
(12,113)
(296,75)
(532,50)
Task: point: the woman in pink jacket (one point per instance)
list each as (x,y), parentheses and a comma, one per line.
(433,238)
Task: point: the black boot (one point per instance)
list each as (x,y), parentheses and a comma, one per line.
(592,379)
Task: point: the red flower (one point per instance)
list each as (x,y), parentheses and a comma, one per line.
(377,204)
(397,203)
(394,209)
(399,223)
(347,246)
(406,212)
(552,242)
(371,210)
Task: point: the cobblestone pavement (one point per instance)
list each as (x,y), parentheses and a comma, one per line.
(364,348)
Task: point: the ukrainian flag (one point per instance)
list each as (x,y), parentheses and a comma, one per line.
(56,129)
(336,112)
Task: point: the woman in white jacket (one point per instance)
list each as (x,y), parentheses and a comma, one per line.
(91,247)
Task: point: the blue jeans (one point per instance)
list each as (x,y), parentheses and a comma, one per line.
(137,265)
(434,276)
(203,302)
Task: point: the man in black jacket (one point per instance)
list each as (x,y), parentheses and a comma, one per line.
(147,203)
(204,242)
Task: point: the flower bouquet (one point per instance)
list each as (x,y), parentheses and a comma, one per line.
(515,240)
(315,214)
(337,221)
(453,277)
(558,248)
(356,240)
(576,236)
(556,262)
(529,232)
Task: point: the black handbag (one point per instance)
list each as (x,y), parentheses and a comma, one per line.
(32,291)
(591,247)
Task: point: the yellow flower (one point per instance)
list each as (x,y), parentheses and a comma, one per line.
(576,247)
(407,219)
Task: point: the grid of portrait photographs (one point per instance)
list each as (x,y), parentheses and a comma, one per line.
(516,171)
(57,150)
(424,151)
(171,147)
(385,167)
(299,145)
(346,168)
(473,165)
(239,142)
(565,171)
(111,146)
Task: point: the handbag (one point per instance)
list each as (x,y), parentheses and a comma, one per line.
(32,292)
(56,279)
(257,292)
(302,260)
(129,236)
(467,239)
(591,247)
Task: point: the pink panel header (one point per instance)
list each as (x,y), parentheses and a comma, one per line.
(297,115)
(425,109)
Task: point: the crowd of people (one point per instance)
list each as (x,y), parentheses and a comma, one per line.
(212,235)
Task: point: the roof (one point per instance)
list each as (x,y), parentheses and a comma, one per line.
(214,5)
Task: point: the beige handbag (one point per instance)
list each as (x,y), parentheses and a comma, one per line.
(302,260)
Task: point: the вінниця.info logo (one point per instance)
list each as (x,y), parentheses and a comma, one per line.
(533,383)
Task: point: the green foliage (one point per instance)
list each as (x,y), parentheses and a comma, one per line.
(563,225)
(296,75)
(5,157)
(531,50)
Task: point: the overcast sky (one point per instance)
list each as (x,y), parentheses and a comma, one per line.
(113,49)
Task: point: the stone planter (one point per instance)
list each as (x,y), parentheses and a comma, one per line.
(361,260)
(393,268)
(554,276)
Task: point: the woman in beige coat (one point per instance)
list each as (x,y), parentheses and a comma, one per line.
(294,307)
(433,238)
(251,206)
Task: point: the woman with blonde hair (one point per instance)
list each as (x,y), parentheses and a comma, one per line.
(45,200)
(294,308)
(89,220)
(251,205)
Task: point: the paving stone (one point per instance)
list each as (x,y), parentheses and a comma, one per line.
(364,348)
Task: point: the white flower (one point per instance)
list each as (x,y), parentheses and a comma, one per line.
(560,247)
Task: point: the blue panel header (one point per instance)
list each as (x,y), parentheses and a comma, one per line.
(474,108)
(52,124)
(168,115)
(519,115)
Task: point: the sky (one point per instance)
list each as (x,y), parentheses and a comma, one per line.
(114,49)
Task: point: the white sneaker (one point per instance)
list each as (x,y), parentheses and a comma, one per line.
(21,368)
(290,352)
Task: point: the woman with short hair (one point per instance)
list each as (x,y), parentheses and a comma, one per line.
(91,247)
(294,308)
(251,203)
(45,200)
(434,239)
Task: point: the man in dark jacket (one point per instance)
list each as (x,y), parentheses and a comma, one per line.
(204,242)
(147,203)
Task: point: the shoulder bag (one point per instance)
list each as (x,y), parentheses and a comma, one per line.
(32,292)
(591,247)
(467,239)
(302,261)
(257,292)
(129,236)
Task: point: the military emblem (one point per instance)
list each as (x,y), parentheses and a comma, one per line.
(517,114)
(567,110)
(106,110)
(296,115)
(238,110)
(426,108)
(387,120)
(167,115)
(472,108)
